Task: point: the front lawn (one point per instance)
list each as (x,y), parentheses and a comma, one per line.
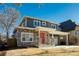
(42,52)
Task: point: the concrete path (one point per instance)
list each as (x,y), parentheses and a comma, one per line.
(59,47)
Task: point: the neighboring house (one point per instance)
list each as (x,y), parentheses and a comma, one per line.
(75,34)
(67,26)
(40,33)
(73,29)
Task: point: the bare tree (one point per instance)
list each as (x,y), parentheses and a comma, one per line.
(20,4)
(17,4)
(8,17)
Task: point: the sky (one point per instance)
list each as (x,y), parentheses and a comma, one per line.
(53,12)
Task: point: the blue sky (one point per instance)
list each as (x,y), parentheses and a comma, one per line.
(55,12)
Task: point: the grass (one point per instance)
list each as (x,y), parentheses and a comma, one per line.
(61,52)
(41,52)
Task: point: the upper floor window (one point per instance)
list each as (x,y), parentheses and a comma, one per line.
(43,23)
(53,26)
(37,23)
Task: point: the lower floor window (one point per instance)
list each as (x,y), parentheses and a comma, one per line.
(26,37)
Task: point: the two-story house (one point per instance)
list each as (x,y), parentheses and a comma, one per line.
(73,29)
(40,33)
(74,35)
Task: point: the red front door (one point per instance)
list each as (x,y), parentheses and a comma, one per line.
(42,37)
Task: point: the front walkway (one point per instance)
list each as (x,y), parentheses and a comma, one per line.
(49,47)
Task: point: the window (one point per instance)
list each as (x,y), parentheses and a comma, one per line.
(53,26)
(23,37)
(77,33)
(43,23)
(26,37)
(37,23)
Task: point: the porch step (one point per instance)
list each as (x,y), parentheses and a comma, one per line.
(45,46)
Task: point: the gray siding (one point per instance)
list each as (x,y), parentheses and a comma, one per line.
(48,25)
(25,44)
(29,22)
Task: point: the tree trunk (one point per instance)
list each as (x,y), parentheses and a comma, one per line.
(7,36)
(0,36)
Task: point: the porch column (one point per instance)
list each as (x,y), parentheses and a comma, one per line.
(53,40)
(67,43)
(39,37)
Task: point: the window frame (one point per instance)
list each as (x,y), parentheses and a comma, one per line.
(77,33)
(43,24)
(38,23)
(35,21)
(23,33)
(53,26)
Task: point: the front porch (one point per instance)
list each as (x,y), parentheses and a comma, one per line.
(49,37)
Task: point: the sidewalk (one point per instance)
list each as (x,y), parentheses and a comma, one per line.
(59,47)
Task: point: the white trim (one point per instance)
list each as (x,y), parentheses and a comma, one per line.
(25,22)
(67,40)
(25,28)
(39,37)
(53,26)
(26,33)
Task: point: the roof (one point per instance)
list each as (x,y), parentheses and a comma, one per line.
(38,19)
(69,20)
(52,31)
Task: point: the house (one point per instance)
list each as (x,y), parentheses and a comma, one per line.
(40,33)
(67,26)
(75,34)
(73,29)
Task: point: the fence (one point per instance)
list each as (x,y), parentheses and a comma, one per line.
(11,42)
